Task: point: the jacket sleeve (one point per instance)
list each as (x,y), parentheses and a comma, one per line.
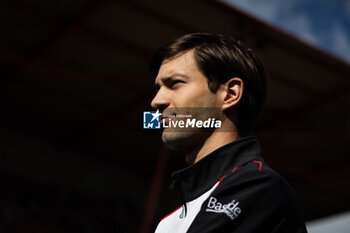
(250,200)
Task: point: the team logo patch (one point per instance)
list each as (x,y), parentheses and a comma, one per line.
(151,120)
(231,209)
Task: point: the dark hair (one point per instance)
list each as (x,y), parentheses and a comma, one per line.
(221,58)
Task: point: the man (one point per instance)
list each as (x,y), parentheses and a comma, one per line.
(227,186)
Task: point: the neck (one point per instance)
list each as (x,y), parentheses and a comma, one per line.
(213,142)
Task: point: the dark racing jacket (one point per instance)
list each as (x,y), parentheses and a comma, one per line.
(233,190)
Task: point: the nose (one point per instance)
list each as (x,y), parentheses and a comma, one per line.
(160,101)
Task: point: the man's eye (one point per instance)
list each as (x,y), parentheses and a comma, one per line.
(176,83)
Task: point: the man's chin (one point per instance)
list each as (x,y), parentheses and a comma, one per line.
(184,141)
(177,141)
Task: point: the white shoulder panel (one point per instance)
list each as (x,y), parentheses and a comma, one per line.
(177,222)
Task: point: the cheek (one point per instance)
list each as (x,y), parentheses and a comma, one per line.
(197,98)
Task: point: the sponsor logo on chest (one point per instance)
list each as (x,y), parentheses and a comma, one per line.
(230,209)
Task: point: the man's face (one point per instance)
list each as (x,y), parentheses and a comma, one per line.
(183,89)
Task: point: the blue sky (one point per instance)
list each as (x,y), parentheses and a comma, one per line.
(322,23)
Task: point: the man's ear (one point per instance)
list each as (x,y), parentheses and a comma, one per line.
(233,91)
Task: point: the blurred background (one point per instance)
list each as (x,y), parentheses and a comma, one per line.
(74,83)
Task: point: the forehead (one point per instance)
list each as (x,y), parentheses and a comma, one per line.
(182,64)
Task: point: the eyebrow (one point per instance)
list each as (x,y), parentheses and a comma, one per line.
(165,79)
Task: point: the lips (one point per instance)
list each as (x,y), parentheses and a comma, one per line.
(165,117)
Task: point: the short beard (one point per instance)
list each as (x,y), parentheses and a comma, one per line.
(185,141)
